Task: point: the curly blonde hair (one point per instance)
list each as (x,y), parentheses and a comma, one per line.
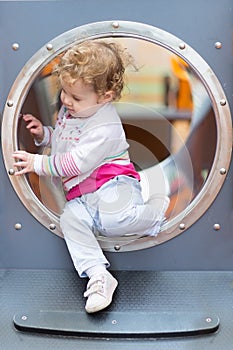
(98,63)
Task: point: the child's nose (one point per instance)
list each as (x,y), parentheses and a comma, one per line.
(67,101)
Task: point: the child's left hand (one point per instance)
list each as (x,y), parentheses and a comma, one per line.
(25,161)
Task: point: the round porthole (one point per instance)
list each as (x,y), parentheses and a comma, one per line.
(174,112)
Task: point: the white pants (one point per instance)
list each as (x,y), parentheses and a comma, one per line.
(115,209)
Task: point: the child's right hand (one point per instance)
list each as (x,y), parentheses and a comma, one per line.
(34,126)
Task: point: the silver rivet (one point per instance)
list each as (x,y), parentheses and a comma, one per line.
(223,102)
(218,45)
(52,226)
(10,103)
(222,171)
(208,319)
(49,47)
(115,25)
(18,226)
(11,172)
(182,46)
(182,226)
(117,247)
(24,318)
(114,321)
(216,227)
(15,46)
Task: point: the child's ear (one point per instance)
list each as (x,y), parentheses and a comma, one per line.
(107,97)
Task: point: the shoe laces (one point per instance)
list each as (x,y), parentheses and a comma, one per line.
(95,285)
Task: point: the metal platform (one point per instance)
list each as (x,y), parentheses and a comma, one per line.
(140,296)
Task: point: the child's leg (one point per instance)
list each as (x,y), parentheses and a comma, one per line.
(77,227)
(88,258)
(122,209)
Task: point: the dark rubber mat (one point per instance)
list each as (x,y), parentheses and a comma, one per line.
(143,294)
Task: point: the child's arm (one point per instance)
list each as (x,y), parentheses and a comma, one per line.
(25,161)
(41,134)
(90,152)
(35,127)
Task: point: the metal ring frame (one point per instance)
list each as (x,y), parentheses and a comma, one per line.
(107,29)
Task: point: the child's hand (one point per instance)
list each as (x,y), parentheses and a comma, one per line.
(34,126)
(25,161)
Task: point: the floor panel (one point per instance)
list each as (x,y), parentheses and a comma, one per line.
(139,293)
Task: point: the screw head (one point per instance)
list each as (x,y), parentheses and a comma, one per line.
(15,46)
(182,226)
(218,45)
(182,46)
(10,103)
(222,171)
(117,247)
(115,25)
(216,227)
(52,226)
(18,226)
(223,102)
(49,47)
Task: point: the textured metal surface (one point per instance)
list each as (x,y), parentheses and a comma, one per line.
(30,290)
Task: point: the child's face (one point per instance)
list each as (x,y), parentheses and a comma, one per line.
(78,97)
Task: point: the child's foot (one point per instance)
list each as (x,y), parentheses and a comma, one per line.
(100,289)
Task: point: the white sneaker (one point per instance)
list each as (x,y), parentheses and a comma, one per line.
(99,292)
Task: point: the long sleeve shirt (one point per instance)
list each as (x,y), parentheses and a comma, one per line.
(80,147)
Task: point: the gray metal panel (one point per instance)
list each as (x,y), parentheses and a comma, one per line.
(32,24)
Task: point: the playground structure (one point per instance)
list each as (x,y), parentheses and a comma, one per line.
(177,119)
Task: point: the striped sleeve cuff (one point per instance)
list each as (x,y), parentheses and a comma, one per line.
(47,136)
(38,164)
